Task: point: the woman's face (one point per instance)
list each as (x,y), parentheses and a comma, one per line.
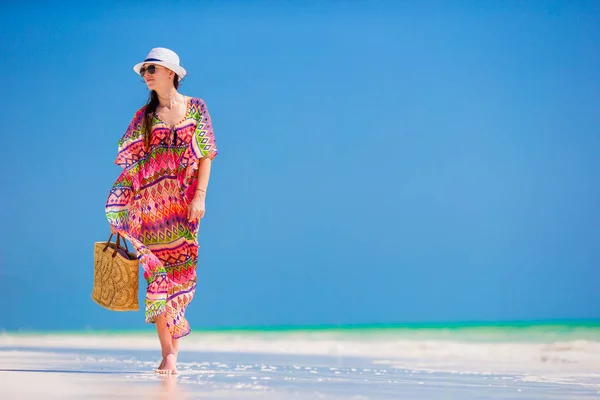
(162,77)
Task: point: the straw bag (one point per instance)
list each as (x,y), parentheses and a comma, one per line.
(116,274)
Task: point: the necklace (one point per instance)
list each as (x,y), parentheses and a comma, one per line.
(166,98)
(171,126)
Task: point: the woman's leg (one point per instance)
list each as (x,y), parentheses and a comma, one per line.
(175,343)
(168,347)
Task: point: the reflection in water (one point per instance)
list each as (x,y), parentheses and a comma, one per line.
(169,390)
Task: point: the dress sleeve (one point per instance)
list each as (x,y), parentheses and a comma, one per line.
(117,204)
(130,151)
(131,145)
(202,144)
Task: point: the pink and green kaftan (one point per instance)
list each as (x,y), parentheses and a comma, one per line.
(148,205)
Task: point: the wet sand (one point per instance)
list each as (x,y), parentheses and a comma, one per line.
(63,373)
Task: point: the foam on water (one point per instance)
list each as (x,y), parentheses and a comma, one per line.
(566,356)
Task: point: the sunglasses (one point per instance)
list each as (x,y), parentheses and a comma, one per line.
(150,68)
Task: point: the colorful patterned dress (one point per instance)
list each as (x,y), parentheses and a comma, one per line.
(148,205)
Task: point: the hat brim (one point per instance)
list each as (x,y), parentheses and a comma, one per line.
(178,69)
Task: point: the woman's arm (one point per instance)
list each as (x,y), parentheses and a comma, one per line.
(203,175)
(198,206)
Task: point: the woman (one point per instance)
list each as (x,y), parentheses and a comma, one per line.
(159,198)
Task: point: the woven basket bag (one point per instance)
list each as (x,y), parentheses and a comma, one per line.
(116,274)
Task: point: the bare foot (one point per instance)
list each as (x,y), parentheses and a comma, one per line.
(167,366)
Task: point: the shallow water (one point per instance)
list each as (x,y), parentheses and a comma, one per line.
(301,365)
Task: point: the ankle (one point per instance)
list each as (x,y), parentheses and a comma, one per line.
(168,352)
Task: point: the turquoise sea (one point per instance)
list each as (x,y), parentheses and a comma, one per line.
(522,331)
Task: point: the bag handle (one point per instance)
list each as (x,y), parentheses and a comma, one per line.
(118,244)
(124,243)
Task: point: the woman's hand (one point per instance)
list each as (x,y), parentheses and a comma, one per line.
(197,206)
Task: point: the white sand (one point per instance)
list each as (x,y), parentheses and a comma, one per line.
(294,366)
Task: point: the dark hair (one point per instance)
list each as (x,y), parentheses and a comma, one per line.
(150,111)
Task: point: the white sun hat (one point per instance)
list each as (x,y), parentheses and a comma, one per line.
(165,57)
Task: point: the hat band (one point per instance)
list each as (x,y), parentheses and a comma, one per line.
(152,59)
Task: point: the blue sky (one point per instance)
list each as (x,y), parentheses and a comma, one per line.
(379,162)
